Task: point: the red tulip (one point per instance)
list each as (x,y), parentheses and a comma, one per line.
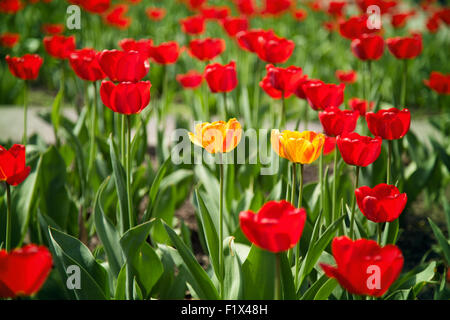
(360,105)
(363,267)
(277,226)
(194,4)
(304,82)
(276,7)
(59,46)
(384,203)
(358,150)
(250,40)
(246,7)
(190,80)
(281,81)
(13,169)
(85,64)
(221,78)
(444,15)
(433,23)
(390,124)
(438,82)
(217,13)
(233,25)
(329,26)
(10,6)
(368,47)
(123,66)
(165,53)
(26,67)
(300,14)
(53,28)
(346,76)
(126,97)
(143,46)
(155,14)
(193,25)
(355,27)
(116,17)
(335,8)
(95,6)
(9,40)
(405,47)
(384,5)
(336,121)
(23,271)
(206,49)
(329,145)
(399,20)
(321,95)
(275,50)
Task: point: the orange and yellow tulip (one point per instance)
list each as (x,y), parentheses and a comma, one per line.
(298,147)
(218,136)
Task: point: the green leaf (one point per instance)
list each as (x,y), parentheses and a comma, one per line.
(443,243)
(120,293)
(314,288)
(391,232)
(259,274)
(201,278)
(107,232)
(287,278)
(70,251)
(209,229)
(119,178)
(325,290)
(56,109)
(233,281)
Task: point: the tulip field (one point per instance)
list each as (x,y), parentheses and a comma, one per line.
(224,150)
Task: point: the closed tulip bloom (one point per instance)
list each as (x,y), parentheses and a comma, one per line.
(433,23)
(59,46)
(335,8)
(165,53)
(298,147)
(85,64)
(218,136)
(233,25)
(276,227)
(10,6)
(358,150)
(321,95)
(215,12)
(346,76)
(299,14)
(23,271)
(96,6)
(360,105)
(250,40)
(25,67)
(206,49)
(304,82)
(390,124)
(123,66)
(246,7)
(399,20)
(194,25)
(194,4)
(275,50)
(329,145)
(363,267)
(126,97)
(336,121)
(276,7)
(13,169)
(368,47)
(116,17)
(9,40)
(444,15)
(384,6)
(280,82)
(53,28)
(155,14)
(221,78)
(191,80)
(143,46)
(405,47)
(438,82)
(354,27)
(384,203)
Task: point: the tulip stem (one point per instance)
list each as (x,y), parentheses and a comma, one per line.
(93,110)
(8,217)
(321,181)
(128,168)
(333,199)
(225,106)
(277,277)
(122,138)
(25,114)
(306,115)
(369,85)
(221,258)
(405,73)
(300,191)
(294,180)
(388,174)
(380,232)
(283,111)
(352,221)
(297,247)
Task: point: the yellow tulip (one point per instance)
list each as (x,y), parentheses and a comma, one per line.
(218,136)
(298,147)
